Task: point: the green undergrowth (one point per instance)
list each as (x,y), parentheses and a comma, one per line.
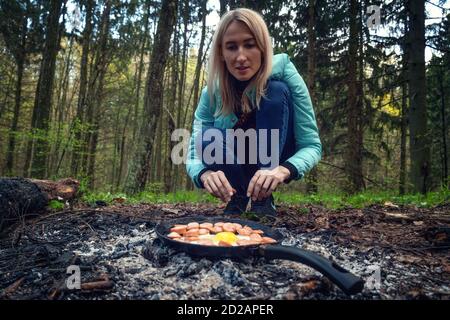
(328,200)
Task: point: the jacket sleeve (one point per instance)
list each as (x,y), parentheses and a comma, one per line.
(307,140)
(203,116)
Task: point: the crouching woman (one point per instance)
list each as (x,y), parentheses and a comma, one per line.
(251,90)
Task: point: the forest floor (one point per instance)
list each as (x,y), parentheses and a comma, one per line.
(402,252)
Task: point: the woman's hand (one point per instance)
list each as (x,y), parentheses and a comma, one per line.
(264,182)
(217,184)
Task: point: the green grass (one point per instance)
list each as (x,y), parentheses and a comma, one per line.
(151,197)
(331,201)
(56,205)
(364,199)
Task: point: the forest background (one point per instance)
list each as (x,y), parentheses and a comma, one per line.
(94,89)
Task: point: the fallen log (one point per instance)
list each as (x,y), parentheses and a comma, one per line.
(20,197)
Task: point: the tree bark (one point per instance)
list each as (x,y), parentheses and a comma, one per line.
(43,99)
(354,116)
(138,81)
(61,106)
(15,121)
(404,112)
(445,181)
(81,105)
(403,135)
(419,140)
(223,7)
(95,99)
(311,185)
(198,67)
(15,34)
(140,168)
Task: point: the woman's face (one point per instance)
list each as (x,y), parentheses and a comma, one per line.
(240,52)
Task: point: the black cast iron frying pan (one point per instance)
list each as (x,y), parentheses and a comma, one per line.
(346,281)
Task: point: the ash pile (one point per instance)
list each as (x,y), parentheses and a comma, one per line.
(118,256)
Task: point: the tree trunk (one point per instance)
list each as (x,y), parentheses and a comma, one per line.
(198,67)
(14,34)
(43,99)
(444,129)
(419,140)
(174,84)
(360,90)
(20,58)
(170,185)
(140,72)
(223,7)
(311,185)
(15,121)
(403,135)
(199,82)
(81,105)
(95,96)
(140,167)
(157,158)
(404,112)
(61,106)
(189,184)
(354,116)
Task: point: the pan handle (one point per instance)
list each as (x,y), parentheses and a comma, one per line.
(348,282)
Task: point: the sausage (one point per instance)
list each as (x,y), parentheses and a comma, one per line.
(229,227)
(210,229)
(237,226)
(193,225)
(255,237)
(192,233)
(178,229)
(248,228)
(244,232)
(267,240)
(245,242)
(173,235)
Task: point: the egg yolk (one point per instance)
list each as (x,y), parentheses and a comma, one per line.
(228,237)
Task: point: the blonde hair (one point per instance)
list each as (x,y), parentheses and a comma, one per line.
(218,75)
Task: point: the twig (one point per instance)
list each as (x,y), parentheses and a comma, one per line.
(12,288)
(93,231)
(97,285)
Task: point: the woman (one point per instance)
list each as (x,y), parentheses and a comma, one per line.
(250,89)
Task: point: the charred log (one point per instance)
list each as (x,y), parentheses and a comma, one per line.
(20,197)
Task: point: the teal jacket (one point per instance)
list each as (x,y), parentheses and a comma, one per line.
(308,145)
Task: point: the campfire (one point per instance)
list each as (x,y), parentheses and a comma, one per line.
(119,256)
